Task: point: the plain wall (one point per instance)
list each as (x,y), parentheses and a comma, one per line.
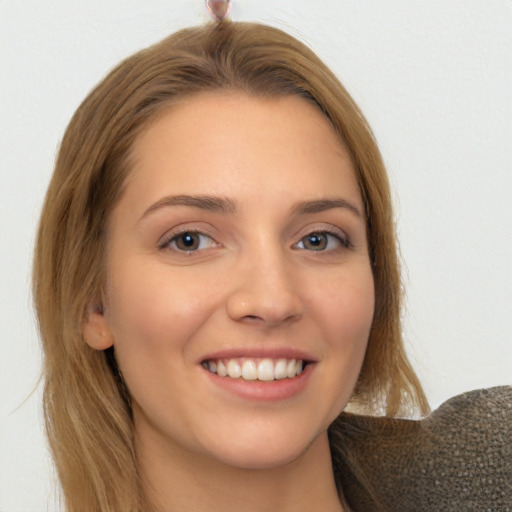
(434,79)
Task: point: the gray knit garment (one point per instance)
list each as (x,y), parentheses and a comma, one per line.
(458,459)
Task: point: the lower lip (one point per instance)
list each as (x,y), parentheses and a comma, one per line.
(263,391)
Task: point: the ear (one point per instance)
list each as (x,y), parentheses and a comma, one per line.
(96,331)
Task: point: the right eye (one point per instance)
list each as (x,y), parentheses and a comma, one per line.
(188,241)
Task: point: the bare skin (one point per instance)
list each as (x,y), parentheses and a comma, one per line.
(225,488)
(240,237)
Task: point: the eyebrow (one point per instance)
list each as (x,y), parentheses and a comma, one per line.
(321,205)
(209,203)
(225,205)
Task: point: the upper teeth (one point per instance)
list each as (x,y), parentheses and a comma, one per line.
(255,369)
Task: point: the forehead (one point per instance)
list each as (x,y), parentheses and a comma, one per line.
(221,143)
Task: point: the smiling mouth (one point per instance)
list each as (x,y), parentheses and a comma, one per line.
(262,369)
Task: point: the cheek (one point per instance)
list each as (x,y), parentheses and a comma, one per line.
(343,313)
(347,307)
(350,310)
(154,317)
(150,311)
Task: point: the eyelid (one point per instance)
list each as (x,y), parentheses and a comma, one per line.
(166,239)
(337,233)
(333,231)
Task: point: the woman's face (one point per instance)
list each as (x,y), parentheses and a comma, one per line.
(238,246)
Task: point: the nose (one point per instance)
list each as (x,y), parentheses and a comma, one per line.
(265,291)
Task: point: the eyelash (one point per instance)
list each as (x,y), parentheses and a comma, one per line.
(173,237)
(341,238)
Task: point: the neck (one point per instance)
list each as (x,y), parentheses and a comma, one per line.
(190,482)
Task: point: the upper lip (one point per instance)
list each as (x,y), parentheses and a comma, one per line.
(260,352)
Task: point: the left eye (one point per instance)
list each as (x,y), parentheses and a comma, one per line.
(320,241)
(190,241)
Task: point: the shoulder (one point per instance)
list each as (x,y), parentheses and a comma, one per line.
(458,458)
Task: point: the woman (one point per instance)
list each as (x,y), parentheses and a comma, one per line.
(216,279)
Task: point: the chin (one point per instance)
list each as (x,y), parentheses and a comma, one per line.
(263,451)
(263,459)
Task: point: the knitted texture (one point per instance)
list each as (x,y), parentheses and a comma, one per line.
(457,459)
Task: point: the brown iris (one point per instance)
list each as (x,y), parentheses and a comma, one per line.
(187,241)
(315,241)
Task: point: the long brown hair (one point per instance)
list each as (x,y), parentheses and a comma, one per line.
(87,409)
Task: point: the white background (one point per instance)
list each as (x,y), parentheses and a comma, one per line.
(434,79)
